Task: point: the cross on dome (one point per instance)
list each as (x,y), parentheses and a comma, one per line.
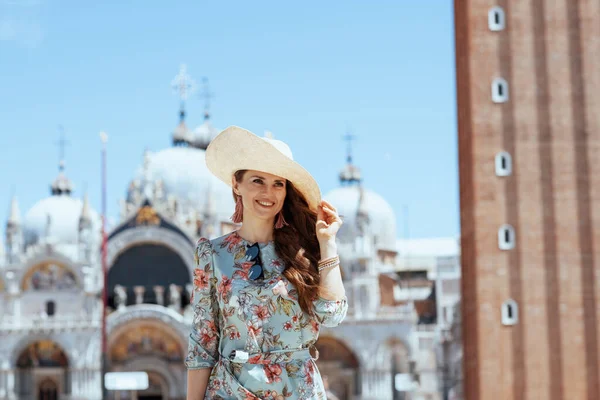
(62,143)
(206,95)
(348,137)
(62,184)
(184,86)
(350,173)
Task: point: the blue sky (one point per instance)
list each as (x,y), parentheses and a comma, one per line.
(307,71)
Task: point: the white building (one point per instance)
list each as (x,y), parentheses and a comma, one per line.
(50,286)
(49,310)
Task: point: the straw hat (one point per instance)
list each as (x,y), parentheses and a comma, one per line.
(236,148)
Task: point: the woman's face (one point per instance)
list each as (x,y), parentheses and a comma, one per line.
(262,194)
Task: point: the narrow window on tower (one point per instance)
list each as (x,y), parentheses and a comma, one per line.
(50,308)
(503,164)
(510,312)
(496,19)
(506,237)
(499,90)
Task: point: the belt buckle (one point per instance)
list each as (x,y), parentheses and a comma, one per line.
(239,356)
(316,351)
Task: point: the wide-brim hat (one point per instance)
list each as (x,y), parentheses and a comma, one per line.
(237,149)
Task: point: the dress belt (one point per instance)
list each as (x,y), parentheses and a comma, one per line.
(271,357)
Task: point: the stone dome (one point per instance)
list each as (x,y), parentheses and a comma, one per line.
(184,175)
(204,134)
(58,218)
(181,134)
(381,216)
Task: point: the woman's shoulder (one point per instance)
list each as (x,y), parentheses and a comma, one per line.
(227,241)
(205,241)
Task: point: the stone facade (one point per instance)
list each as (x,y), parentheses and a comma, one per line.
(51,291)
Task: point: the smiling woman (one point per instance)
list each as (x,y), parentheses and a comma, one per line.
(262,293)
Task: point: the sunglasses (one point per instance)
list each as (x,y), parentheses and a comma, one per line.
(253,254)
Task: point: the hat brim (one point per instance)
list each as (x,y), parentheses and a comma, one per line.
(237,149)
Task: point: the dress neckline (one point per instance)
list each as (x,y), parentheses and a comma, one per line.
(248,242)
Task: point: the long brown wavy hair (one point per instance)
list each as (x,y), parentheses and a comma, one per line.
(297,245)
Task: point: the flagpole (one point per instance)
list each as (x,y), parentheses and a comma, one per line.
(104,139)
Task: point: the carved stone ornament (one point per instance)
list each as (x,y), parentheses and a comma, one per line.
(147,216)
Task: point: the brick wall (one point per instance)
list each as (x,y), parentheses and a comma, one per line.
(549,53)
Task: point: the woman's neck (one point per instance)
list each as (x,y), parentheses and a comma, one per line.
(256,230)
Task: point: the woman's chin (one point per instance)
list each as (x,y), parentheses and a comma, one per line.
(264,215)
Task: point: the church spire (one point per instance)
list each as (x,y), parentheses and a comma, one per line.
(62,184)
(350,173)
(205,133)
(85,209)
(14,233)
(206,95)
(85,230)
(14,217)
(362,212)
(183,85)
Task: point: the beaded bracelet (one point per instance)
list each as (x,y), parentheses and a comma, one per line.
(329,263)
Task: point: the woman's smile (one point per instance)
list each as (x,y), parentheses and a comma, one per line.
(265,203)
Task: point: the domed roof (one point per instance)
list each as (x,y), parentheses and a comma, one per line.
(181,134)
(381,216)
(62,184)
(58,217)
(184,175)
(204,133)
(350,173)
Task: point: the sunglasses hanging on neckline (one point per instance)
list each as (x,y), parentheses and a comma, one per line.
(253,254)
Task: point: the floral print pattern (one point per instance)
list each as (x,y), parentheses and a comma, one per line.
(233,314)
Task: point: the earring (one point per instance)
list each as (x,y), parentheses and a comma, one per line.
(238,215)
(280,221)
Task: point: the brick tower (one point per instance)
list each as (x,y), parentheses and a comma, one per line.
(528,91)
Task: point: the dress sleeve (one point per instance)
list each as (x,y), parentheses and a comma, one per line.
(330,313)
(203,345)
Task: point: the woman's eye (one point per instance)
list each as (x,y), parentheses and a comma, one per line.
(257,181)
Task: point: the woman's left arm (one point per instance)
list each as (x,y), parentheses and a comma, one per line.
(328,224)
(332,287)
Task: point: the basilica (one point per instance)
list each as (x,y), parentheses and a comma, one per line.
(401,292)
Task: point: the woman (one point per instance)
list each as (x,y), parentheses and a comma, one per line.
(261,293)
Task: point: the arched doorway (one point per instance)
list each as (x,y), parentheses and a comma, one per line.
(142,339)
(42,371)
(48,390)
(153,347)
(339,368)
(157,388)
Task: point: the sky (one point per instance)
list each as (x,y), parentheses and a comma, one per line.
(309,72)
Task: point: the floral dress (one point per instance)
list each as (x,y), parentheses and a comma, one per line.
(253,334)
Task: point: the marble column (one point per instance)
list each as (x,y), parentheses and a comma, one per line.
(10,383)
(3,382)
(139,294)
(120,297)
(159,292)
(175,297)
